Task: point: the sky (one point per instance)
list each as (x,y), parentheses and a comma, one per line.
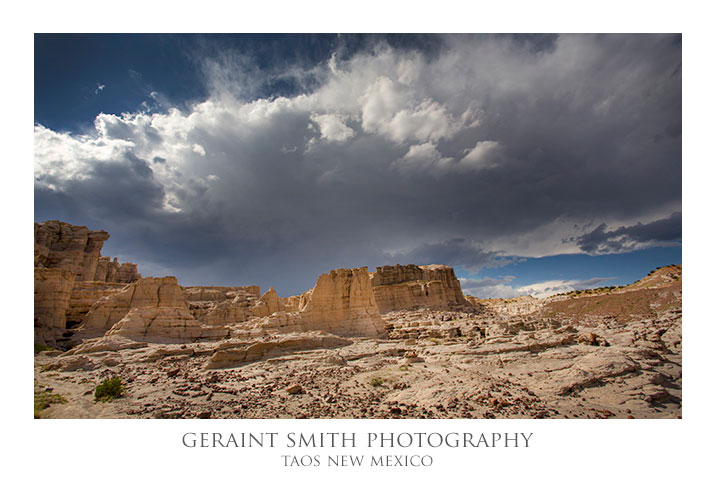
(532,164)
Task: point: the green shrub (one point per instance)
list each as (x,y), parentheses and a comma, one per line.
(110,388)
(41,347)
(43,399)
(376,381)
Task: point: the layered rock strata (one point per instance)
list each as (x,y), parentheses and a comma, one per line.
(407,287)
(222,305)
(146,293)
(114,272)
(85,294)
(68,247)
(164,324)
(53,288)
(342,302)
(77,249)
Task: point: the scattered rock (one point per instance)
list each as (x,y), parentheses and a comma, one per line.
(295,389)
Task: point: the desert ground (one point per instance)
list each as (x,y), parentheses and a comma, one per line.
(399,342)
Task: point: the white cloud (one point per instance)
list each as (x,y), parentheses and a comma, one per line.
(501,288)
(381,101)
(332,128)
(423,157)
(476,132)
(485,154)
(198,149)
(428,121)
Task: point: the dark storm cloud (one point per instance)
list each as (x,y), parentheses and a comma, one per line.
(465,150)
(457,252)
(626,238)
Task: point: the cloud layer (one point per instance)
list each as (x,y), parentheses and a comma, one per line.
(467,155)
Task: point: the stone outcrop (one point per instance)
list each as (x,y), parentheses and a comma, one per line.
(222,306)
(114,272)
(66,256)
(220,293)
(408,287)
(68,247)
(145,293)
(216,305)
(163,324)
(295,303)
(77,249)
(342,302)
(235,354)
(268,304)
(53,288)
(84,295)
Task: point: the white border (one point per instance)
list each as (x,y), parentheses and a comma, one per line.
(583,448)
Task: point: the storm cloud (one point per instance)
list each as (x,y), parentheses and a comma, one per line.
(627,238)
(476,150)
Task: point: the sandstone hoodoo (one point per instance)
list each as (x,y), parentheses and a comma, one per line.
(343,302)
(402,341)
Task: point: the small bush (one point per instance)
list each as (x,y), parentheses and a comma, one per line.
(376,381)
(110,389)
(43,399)
(41,347)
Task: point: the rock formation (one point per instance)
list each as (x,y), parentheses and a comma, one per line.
(400,342)
(342,302)
(67,256)
(164,324)
(84,295)
(53,288)
(68,247)
(222,305)
(148,292)
(268,304)
(77,249)
(405,287)
(220,293)
(235,354)
(114,272)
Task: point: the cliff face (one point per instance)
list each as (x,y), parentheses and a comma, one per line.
(53,288)
(151,309)
(145,293)
(84,295)
(76,287)
(77,249)
(70,276)
(216,305)
(163,324)
(68,247)
(343,302)
(408,287)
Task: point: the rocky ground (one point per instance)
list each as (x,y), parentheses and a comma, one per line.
(597,354)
